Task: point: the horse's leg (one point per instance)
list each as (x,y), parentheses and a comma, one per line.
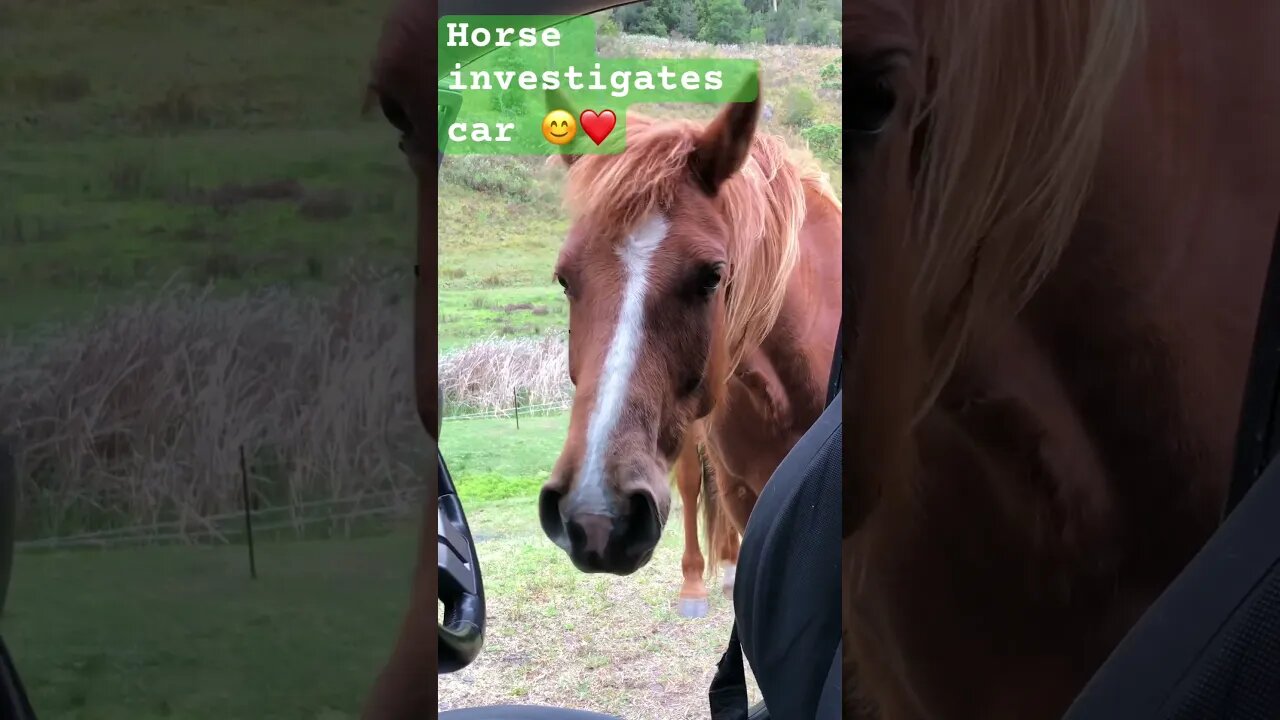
(693,593)
(737,499)
(727,552)
(729,504)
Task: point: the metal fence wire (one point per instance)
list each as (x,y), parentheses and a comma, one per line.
(225,527)
(229,526)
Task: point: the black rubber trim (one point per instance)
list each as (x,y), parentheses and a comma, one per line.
(1258,437)
(836,379)
(16,705)
(461,588)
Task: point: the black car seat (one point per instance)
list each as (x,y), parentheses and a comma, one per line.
(787,595)
(1209,647)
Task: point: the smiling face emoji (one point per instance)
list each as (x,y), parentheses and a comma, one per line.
(558,127)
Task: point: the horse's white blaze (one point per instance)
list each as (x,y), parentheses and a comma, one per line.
(636,253)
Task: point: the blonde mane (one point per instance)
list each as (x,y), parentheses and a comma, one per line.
(1016,120)
(764,206)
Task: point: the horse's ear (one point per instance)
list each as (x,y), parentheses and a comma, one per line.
(557,100)
(725,143)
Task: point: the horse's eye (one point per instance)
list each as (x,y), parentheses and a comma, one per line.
(707,279)
(870,103)
(564,284)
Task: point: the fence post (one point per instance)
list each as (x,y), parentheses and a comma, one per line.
(248,517)
(515,400)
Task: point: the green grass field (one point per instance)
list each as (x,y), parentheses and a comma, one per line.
(224,145)
(183,632)
(499,282)
(558,636)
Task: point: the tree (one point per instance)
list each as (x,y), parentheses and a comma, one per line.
(668,11)
(814,27)
(778,22)
(686,21)
(778,25)
(640,19)
(650,23)
(725,21)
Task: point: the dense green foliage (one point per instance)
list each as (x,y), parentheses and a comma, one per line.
(825,142)
(832,75)
(798,108)
(777,22)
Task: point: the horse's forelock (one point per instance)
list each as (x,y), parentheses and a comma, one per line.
(621,190)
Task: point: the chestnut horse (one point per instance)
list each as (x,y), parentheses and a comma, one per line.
(1065,214)
(695,477)
(702,269)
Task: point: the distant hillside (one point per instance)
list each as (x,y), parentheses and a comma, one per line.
(221,142)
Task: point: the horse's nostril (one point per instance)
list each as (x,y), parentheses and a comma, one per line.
(644,526)
(577,535)
(549,516)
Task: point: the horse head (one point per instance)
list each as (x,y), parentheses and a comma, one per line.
(650,268)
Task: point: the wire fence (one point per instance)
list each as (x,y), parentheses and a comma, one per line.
(223,528)
(550,408)
(227,527)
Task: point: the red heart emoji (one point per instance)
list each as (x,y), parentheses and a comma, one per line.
(597,126)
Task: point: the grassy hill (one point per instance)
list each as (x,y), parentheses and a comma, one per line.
(216,141)
(221,142)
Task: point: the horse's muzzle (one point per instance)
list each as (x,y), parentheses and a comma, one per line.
(618,542)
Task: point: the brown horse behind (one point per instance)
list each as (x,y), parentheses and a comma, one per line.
(695,478)
(1067,209)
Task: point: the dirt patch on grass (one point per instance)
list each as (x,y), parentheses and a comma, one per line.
(329,206)
(315,205)
(526,307)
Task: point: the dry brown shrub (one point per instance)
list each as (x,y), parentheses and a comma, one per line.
(139,416)
(488,375)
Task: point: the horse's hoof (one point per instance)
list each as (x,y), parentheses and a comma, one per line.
(693,608)
(730,575)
